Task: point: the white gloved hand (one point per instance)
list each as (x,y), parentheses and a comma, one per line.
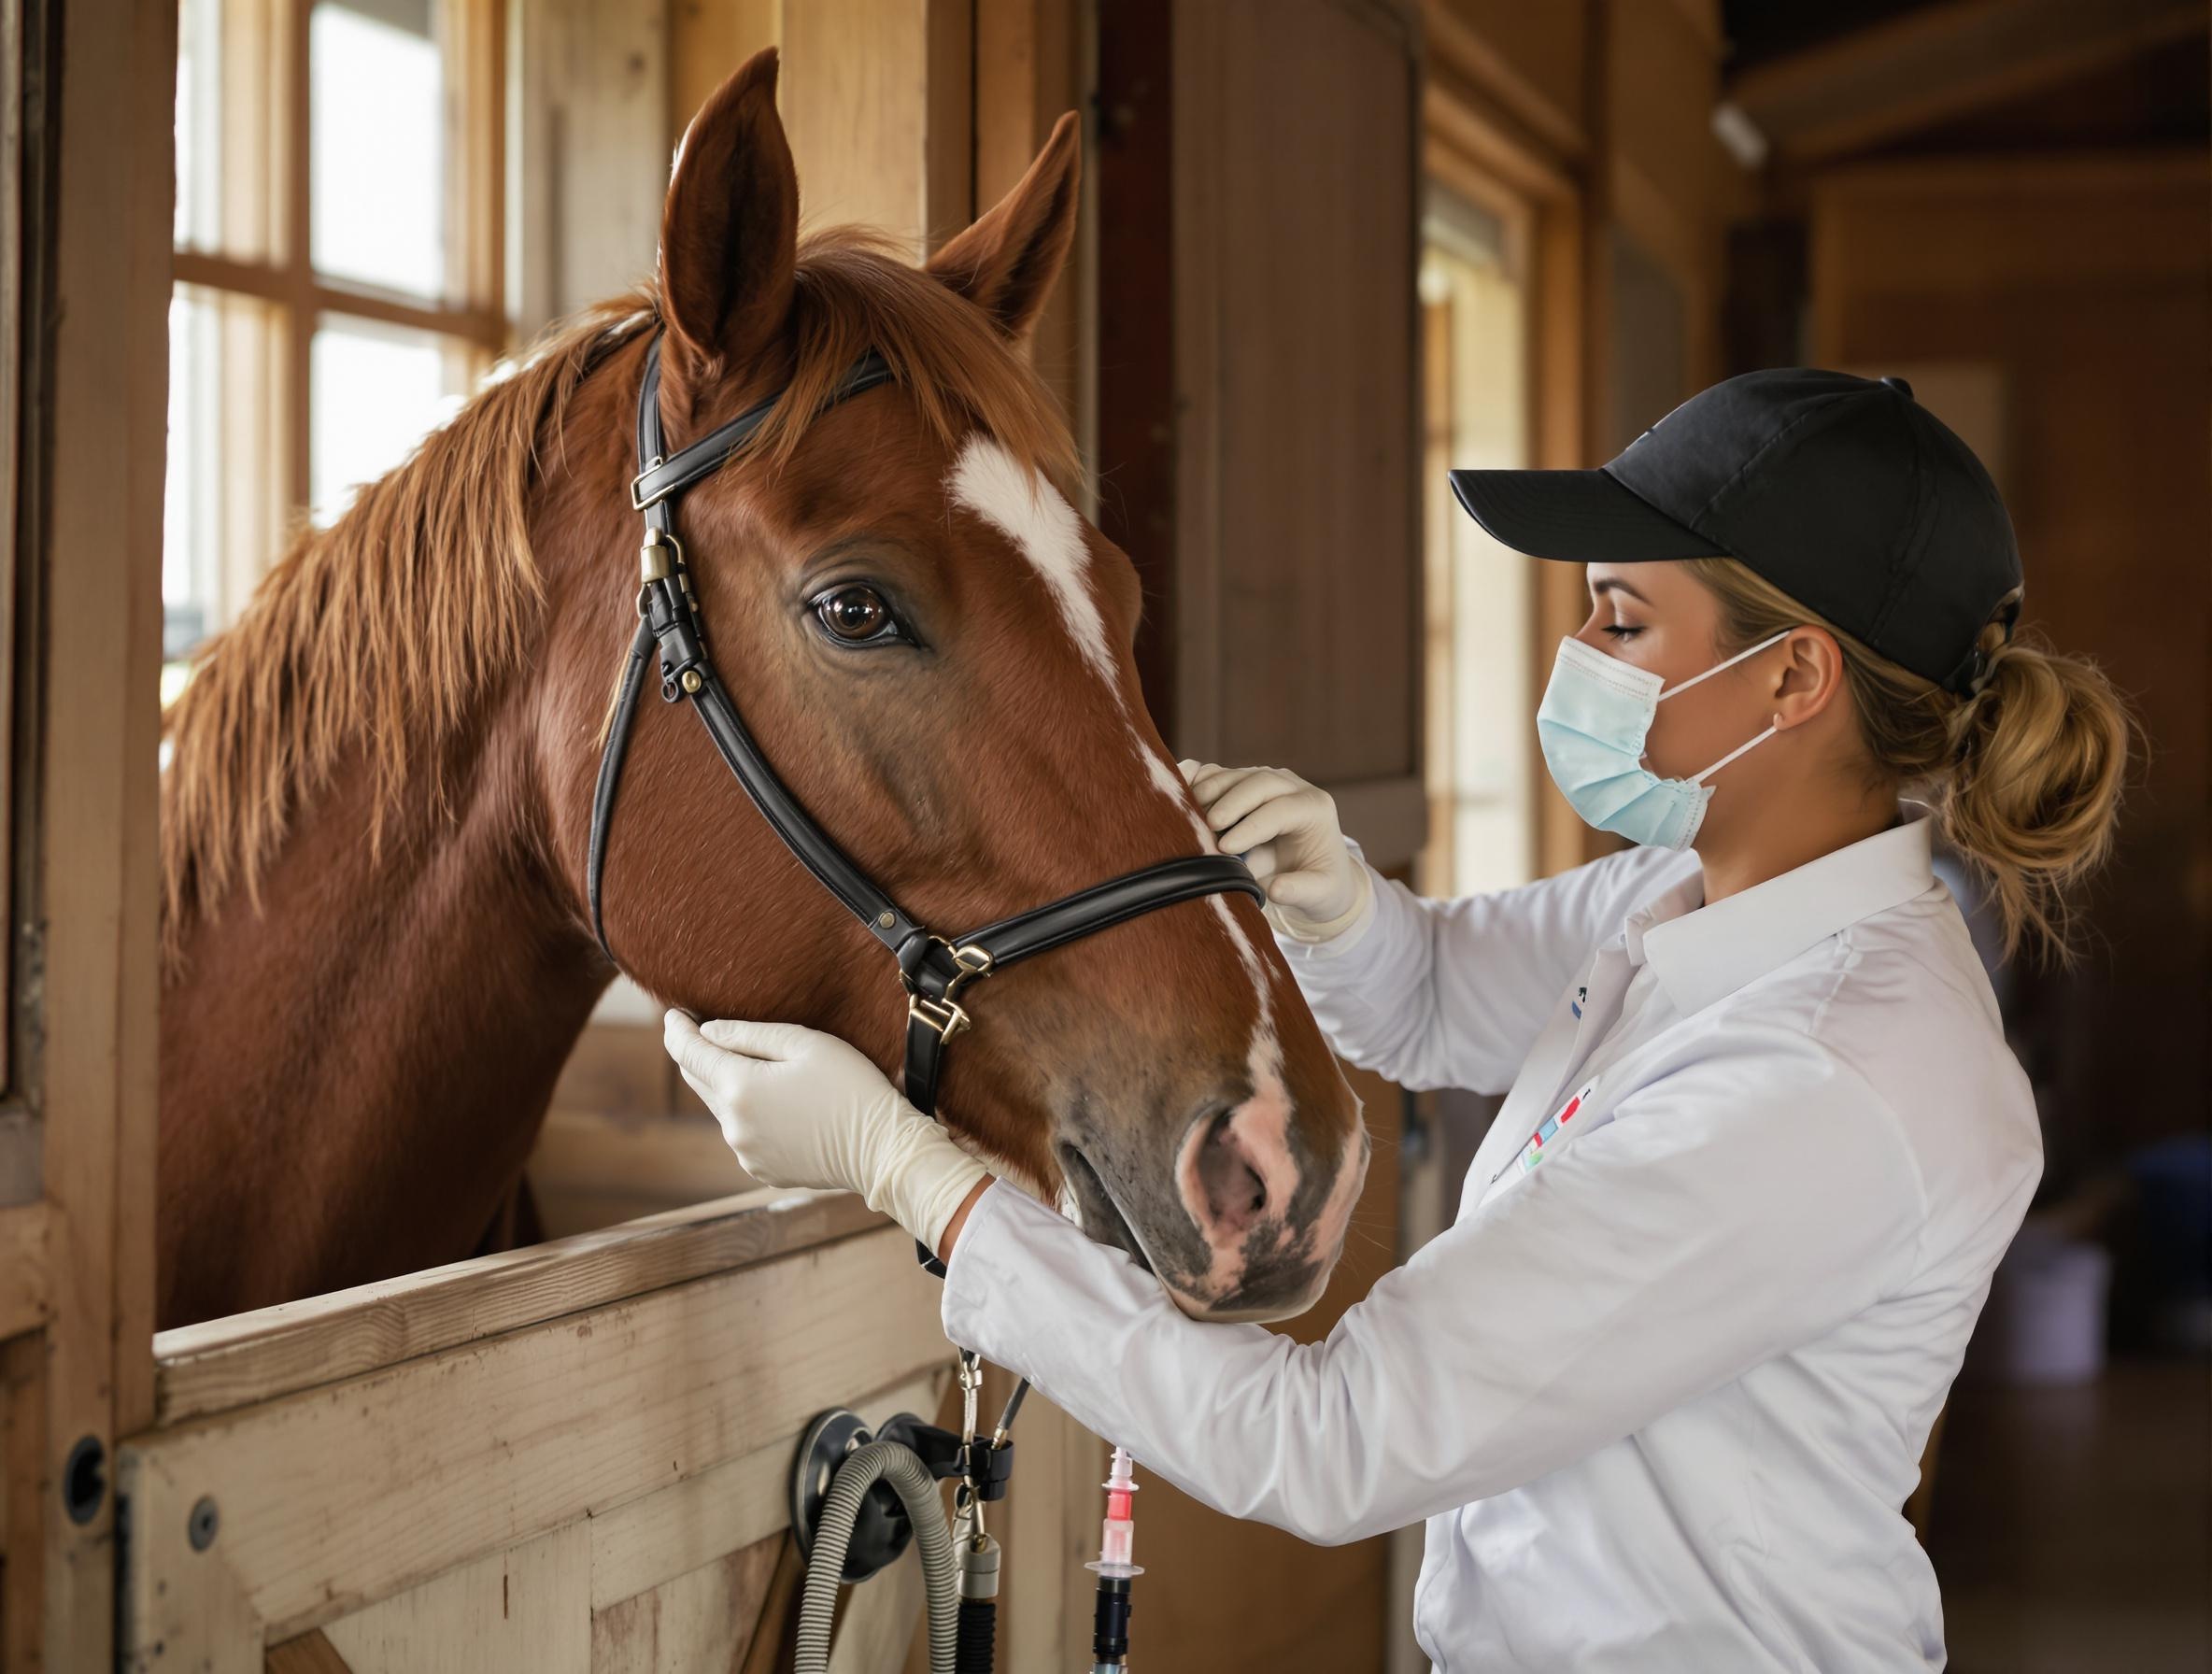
(1286,831)
(802,1108)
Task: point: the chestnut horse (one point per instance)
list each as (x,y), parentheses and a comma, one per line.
(374,818)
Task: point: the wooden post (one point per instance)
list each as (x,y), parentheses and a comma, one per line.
(99,80)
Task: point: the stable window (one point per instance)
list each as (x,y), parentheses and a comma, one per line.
(339,269)
(1478,597)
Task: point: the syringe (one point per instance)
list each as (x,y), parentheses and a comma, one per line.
(1110,1623)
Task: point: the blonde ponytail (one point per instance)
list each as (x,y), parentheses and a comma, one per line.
(2024,777)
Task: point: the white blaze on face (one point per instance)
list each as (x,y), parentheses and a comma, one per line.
(1033,515)
(1043,527)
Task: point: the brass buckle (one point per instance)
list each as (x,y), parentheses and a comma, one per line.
(971,959)
(947,1016)
(944,1015)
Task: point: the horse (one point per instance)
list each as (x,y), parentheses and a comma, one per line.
(377,946)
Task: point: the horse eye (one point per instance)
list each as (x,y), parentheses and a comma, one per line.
(855,614)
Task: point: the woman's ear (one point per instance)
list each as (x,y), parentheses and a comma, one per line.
(1008,261)
(1809,680)
(730,229)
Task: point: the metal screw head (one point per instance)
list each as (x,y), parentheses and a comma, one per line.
(691,680)
(200,1529)
(883,918)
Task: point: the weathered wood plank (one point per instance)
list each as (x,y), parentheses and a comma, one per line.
(705,1618)
(340,1496)
(23,1499)
(310,1653)
(521,1611)
(256,1357)
(22,1268)
(692,1523)
(94,370)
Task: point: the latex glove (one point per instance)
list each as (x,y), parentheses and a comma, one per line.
(1286,831)
(803,1108)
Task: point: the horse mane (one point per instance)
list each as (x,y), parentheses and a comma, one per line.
(379,636)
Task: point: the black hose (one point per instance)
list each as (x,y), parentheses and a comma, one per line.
(1013,1405)
(976,1647)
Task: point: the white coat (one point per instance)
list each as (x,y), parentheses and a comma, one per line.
(1662,1391)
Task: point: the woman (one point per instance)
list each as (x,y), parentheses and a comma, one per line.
(1662,1390)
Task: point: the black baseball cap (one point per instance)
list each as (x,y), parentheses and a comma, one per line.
(1844,492)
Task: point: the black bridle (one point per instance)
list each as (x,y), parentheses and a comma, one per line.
(933,968)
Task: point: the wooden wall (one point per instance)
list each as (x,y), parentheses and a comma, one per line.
(1296,620)
(2073,291)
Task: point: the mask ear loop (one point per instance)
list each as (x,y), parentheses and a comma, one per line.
(1719,667)
(1740,750)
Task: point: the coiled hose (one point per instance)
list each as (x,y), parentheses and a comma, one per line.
(864,1466)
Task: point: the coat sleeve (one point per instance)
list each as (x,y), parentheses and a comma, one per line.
(1454,993)
(1702,1231)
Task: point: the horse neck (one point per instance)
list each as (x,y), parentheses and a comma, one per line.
(352,1073)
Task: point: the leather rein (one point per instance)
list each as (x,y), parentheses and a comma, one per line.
(934,970)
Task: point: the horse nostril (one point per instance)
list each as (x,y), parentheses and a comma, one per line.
(1232,1192)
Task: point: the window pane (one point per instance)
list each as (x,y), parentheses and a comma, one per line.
(199,135)
(222,505)
(1479,596)
(191,511)
(229,98)
(377,391)
(376,99)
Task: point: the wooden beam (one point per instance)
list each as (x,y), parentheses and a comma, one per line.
(22,1268)
(1457,50)
(1943,61)
(440,1460)
(97,377)
(250,1357)
(1463,129)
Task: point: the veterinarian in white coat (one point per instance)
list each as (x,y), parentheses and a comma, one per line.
(1662,1391)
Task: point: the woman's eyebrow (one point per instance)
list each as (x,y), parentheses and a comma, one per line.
(1598,589)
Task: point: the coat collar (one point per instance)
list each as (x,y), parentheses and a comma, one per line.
(1703,954)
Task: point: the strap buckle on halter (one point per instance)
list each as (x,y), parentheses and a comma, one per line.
(639,500)
(943,1011)
(947,1017)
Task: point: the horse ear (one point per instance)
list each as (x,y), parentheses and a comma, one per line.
(1008,262)
(730,231)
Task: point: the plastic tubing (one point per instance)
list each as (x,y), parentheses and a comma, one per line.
(863,1468)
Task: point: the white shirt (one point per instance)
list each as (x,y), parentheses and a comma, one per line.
(1662,1395)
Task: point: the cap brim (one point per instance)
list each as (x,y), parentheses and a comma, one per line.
(1576,517)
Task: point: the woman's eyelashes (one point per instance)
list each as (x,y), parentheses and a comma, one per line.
(1621,631)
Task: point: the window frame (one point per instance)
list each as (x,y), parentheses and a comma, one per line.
(264,269)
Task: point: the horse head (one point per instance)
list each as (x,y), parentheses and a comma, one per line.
(933,650)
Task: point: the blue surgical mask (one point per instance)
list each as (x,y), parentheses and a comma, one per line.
(1592,724)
